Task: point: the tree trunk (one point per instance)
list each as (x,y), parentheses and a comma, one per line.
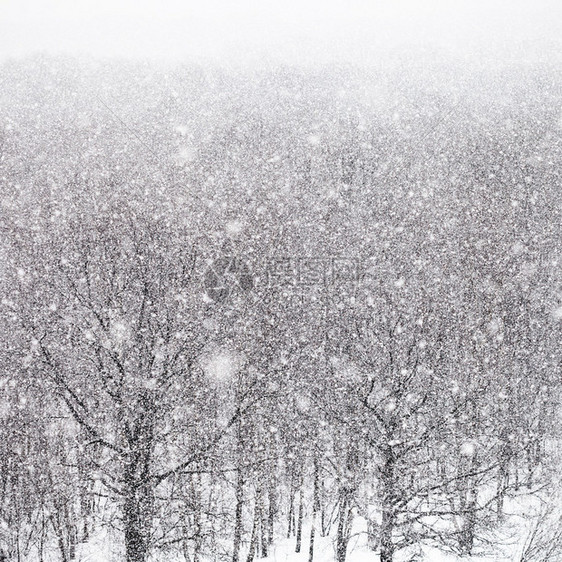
(291,521)
(136,522)
(254,537)
(42,537)
(342,535)
(272,511)
(238,522)
(315,507)
(469,523)
(299,521)
(386,532)
(505,457)
(388,523)
(65,530)
(323,515)
(469,502)
(196,495)
(264,542)
(139,494)
(503,477)
(62,546)
(85,500)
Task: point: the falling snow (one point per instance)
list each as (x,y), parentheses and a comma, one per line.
(264,297)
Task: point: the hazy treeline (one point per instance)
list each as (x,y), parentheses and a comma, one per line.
(156,386)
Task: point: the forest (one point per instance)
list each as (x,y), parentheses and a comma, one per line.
(311,309)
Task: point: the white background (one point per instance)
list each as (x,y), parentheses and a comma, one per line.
(242,31)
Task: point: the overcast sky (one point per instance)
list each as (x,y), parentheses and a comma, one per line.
(251,30)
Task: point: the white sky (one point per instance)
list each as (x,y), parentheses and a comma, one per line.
(246,30)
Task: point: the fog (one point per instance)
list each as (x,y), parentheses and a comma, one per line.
(293,31)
